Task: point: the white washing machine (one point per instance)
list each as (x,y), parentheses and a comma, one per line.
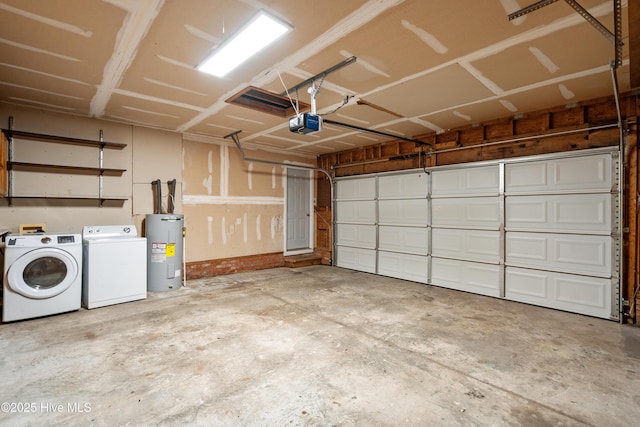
(114,265)
(42,275)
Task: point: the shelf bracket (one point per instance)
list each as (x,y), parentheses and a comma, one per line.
(531,8)
(10,159)
(592,19)
(101,166)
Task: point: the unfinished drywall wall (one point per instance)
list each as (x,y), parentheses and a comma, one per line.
(65,216)
(232,207)
(157,155)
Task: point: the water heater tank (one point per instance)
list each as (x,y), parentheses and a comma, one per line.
(164,234)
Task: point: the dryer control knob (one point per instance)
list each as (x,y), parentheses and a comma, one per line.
(46,240)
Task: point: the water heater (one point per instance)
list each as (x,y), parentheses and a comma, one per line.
(164,234)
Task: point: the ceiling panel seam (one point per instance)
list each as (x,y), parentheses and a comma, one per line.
(38,50)
(131,94)
(42,73)
(47,21)
(477,74)
(135,28)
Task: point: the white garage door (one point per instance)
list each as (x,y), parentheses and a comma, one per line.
(403,217)
(466,229)
(559,245)
(540,230)
(356,218)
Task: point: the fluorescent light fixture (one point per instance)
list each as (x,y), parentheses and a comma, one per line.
(257,34)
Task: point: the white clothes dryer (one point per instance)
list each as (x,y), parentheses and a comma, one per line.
(114,265)
(42,275)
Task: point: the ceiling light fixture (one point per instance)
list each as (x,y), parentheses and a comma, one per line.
(254,36)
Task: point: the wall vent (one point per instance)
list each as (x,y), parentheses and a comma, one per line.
(266,102)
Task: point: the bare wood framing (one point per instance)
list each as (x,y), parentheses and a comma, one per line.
(633,8)
(631,222)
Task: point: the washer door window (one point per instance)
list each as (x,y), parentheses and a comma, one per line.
(42,273)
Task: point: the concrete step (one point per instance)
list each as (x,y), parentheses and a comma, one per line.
(304,260)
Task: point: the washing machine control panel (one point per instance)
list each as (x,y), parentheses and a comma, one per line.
(37,240)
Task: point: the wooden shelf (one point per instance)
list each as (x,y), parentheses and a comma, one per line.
(9,165)
(62,139)
(67,169)
(68,200)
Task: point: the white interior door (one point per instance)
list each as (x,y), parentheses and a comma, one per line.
(298,234)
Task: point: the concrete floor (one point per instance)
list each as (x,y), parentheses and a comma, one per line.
(319,346)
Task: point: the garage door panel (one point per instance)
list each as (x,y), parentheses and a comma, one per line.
(471,182)
(357,212)
(483,279)
(356,258)
(466,212)
(359,236)
(526,247)
(580,290)
(570,253)
(590,210)
(404,239)
(525,177)
(572,213)
(404,186)
(356,189)
(526,211)
(412,212)
(471,245)
(579,174)
(526,285)
(578,294)
(582,173)
(404,266)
